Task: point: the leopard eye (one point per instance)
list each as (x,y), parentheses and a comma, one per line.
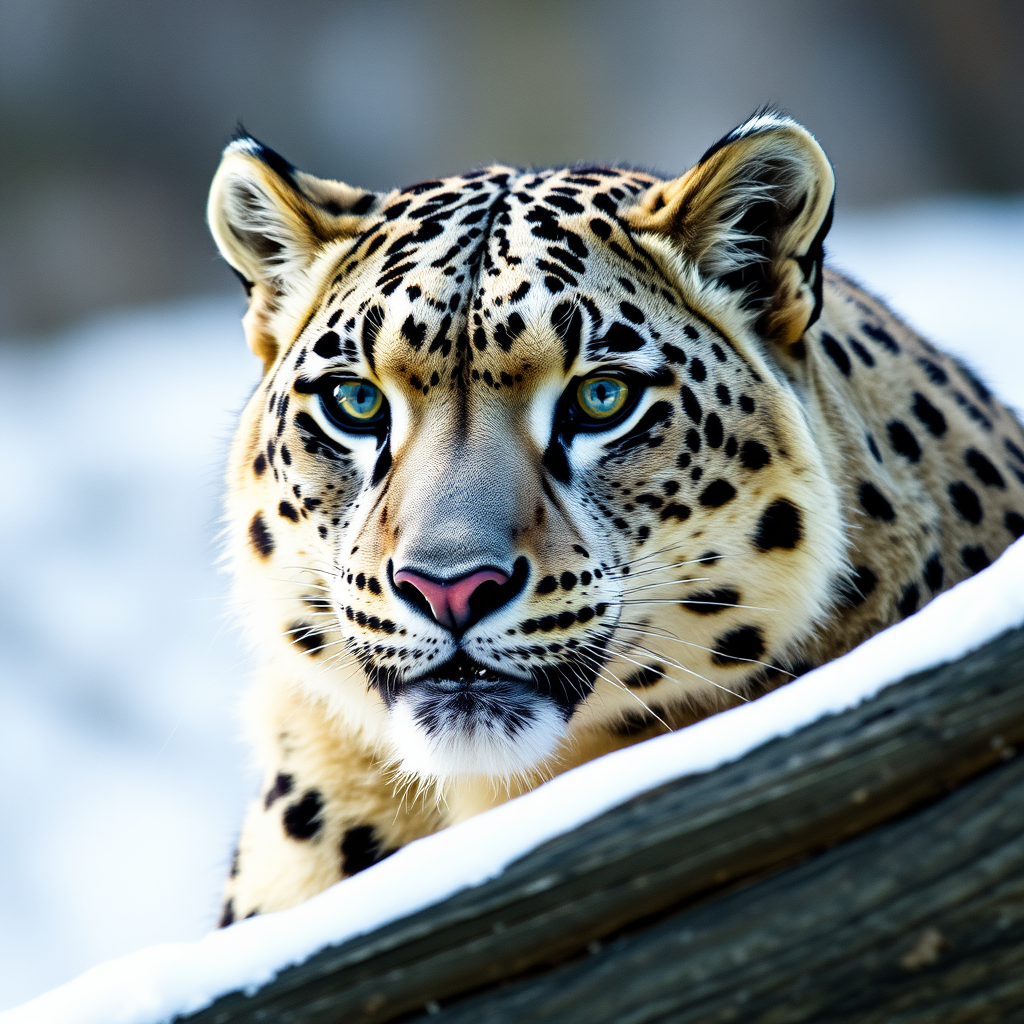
(354,404)
(602,398)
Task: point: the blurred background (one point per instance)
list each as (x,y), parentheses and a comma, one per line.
(122,364)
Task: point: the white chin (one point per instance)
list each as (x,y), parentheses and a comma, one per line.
(441,735)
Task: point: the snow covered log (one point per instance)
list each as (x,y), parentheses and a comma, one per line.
(868,866)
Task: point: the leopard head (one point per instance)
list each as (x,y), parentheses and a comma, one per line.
(525,471)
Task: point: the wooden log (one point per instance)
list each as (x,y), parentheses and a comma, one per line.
(692,840)
(920,920)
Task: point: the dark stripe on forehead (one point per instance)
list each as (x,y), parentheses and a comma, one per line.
(373,320)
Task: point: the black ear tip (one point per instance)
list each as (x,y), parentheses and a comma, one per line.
(243,141)
(764,119)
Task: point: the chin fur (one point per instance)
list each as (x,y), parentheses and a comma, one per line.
(501,732)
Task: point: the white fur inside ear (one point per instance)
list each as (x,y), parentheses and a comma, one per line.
(441,734)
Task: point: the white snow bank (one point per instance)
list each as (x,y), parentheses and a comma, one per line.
(155,984)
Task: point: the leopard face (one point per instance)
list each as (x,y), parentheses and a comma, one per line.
(523,469)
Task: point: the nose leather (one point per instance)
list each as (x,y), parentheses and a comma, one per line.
(449,601)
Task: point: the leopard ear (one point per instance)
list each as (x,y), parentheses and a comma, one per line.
(269,221)
(751,217)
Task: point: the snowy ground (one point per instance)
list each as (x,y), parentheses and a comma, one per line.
(122,781)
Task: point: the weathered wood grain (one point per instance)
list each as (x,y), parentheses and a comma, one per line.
(919,920)
(691,840)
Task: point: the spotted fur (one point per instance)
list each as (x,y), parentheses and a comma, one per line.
(799,470)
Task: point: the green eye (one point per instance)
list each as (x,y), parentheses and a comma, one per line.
(602,397)
(356,403)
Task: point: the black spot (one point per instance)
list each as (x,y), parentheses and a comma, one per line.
(836,353)
(302,820)
(697,370)
(413,332)
(780,526)
(883,337)
(908,600)
(984,470)
(644,677)
(965,501)
(856,590)
(743,644)
(903,441)
(328,346)
(282,786)
(873,448)
(227,914)
(691,404)
(260,536)
(713,432)
(691,332)
(723,394)
(933,573)
(259,465)
(747,404)
(601,228)
(519,292)
(982,392)
(568,580)
(861,352)
(712,602)
(634,722)
(1014,522)
(362,204)
(652,501)
(287,509)
(928,415)
(360,849)
(621,338)
(692,442)
(936,374)
(547,585)
(1016,452)
(717,493)
(674,354)
(564,203)
(875,503)
(975,558)
(673,510)
(631,313)
(754,455)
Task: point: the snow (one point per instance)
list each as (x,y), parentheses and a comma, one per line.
(122,775)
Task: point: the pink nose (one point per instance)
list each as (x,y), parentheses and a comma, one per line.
(449,601)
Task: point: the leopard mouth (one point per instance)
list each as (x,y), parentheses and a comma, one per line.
(462,673)
(468,719)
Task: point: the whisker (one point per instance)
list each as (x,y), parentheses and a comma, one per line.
(632,645)
(622,686)
(671,565)
(689,643)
